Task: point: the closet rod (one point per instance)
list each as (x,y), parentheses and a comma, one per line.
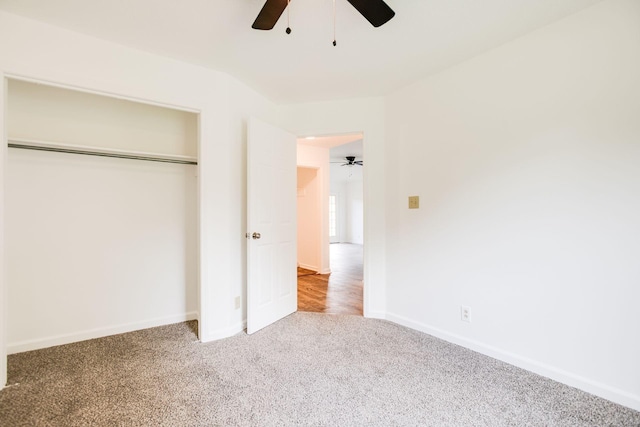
(59,148)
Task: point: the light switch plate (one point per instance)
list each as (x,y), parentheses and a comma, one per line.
(414,202)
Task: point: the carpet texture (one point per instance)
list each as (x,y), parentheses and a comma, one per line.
(307,369)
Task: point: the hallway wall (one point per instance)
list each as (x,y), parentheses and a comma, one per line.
(347,185)
(309,219)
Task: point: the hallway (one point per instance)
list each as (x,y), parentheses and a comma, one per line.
(339,292)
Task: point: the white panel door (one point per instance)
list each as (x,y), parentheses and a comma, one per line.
(272,287)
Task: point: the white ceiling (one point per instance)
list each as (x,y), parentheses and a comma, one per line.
(350,149)
(424,37)
(340,146)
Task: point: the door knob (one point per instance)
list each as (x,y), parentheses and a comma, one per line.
(255,236)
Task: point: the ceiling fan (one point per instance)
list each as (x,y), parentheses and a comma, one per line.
(377,12)
(351,161)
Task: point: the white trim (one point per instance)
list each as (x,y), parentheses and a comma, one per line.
(309,267)
(375,315)
(98,92)
(367,247)
(98,333)
(310,137)
(226,333)
(599,389)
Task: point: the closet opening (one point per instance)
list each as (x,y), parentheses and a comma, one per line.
(101,197)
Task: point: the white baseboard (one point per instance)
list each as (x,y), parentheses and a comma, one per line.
(40,343)
(226,333)
(602,390)
(376,315)
(308,267)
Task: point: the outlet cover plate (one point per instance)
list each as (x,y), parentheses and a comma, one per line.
(465,314)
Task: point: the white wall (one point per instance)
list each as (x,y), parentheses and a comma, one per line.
(309,219)
(46,53)
(316,158)
(355,213)
(242,103)
(97,246)
(342,117)
(346,184)
(52,114)
(338,189)
(526,160)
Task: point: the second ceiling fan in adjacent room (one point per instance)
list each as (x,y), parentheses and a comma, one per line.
(351,161)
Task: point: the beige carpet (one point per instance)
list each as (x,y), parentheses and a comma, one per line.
(308,369)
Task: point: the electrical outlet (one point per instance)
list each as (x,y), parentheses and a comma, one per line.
(238,301)
(465,314)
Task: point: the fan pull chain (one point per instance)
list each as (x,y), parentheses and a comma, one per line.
(334,23)
(288,27)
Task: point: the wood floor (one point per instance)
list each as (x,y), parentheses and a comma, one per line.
(339,292)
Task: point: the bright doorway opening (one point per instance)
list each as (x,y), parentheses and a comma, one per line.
(331,237)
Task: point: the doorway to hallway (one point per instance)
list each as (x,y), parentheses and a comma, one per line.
(331,224)
(339,292)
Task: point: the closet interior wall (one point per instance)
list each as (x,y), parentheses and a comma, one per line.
(97,245)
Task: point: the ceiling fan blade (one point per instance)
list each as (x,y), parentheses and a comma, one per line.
(269,15)
(376,11)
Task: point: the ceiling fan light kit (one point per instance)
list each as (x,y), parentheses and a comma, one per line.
(377,12)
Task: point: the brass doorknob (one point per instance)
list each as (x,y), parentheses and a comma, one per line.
(255,236)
